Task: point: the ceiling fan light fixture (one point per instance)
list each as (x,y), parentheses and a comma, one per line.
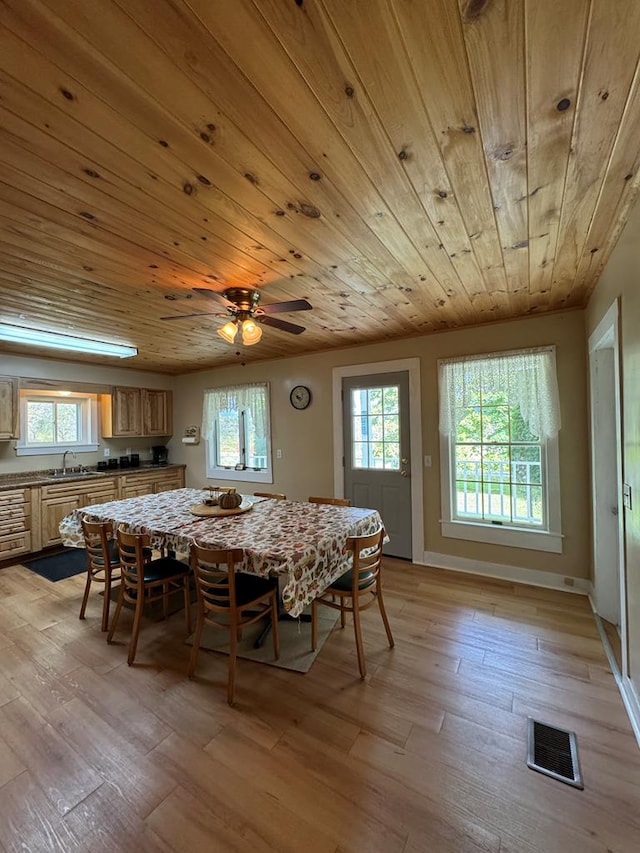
(251,332)
(228,332)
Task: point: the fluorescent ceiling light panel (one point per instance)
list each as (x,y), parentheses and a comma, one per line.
(55,340)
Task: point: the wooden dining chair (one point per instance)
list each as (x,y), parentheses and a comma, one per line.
(276,496)
(103,563)
(144,581)
(346,594)
(331,501)
(224,598)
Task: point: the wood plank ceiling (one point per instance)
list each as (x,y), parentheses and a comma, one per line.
(405,166)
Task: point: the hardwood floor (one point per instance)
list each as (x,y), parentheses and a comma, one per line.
(425,756)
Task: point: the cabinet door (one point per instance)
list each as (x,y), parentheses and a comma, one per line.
(53,510)
(126,412)
(8,408)
(156,412)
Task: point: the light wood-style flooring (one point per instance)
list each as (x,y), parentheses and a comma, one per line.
(425,756)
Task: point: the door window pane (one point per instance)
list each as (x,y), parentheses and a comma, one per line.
(375,427)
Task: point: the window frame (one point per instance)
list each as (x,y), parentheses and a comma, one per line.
(214,471)
(88,403)
(547,537)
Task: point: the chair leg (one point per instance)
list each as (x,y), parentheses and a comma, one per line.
(116,615)
(343,614)
(383,613)
(314,624)
(85,597)
(274,627)
(359,645)
(193,659)
(233,650)
(165,600)
(137,619)
(187,604)
(107,600)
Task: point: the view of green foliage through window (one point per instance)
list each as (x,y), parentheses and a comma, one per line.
(376,427)
(497,463)
(53,422)
(237,431)
(237,423)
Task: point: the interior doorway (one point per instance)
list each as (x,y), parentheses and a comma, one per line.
(606,483)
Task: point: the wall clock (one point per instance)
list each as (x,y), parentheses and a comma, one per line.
(300,397)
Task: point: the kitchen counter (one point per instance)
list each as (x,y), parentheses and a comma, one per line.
(38,478)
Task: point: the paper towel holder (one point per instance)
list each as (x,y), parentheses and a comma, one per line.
(191,435)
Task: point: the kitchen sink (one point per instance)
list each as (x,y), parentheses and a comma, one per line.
(75,475)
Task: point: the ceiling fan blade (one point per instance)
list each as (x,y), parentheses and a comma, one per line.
(188,316)
(283,325)
(213,294)
(281,307)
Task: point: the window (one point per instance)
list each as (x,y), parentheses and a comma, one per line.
(56,421)
(499,420)
(236,426)
(375,427)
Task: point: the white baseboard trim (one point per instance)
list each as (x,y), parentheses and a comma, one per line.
(632,704)
(550,580)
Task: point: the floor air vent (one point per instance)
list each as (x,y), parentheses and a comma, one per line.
(554,752)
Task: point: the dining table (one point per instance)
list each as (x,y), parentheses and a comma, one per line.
(301,543)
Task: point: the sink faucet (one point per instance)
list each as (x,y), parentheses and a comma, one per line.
(64,460)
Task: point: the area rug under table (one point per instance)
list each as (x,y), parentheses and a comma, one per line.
(57,567)
(295,642)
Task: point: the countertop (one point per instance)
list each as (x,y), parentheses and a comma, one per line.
(38,478)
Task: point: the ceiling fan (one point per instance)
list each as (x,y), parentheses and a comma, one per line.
(245,312)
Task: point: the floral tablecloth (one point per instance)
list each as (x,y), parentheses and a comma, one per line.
(303,542)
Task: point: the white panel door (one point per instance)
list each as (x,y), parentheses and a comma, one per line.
(377,443)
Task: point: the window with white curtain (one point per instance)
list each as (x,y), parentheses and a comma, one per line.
(499,422)
(236,427)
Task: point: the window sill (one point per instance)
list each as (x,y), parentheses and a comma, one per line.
(248,475)
(55,449)
(533,540)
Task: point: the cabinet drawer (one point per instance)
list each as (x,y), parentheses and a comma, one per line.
(14,544)
(15,497)
(80,488)
(15,511)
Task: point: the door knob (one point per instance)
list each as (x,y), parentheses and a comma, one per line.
(404,460)
(404,473)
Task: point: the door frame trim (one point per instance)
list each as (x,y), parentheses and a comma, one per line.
(412,367)
(606,336)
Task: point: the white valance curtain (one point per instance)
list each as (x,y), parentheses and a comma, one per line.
(237,398)
(527,377)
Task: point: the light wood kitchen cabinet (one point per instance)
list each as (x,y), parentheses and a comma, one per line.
(60,499)
(151,482)
(136,412)
(15,522)
(9,420)
(157,416)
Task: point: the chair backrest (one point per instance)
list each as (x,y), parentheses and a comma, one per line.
(134,549)
(214,573)
(97,535)
(331,501)
(221,488)
(276,496)
(367,556)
